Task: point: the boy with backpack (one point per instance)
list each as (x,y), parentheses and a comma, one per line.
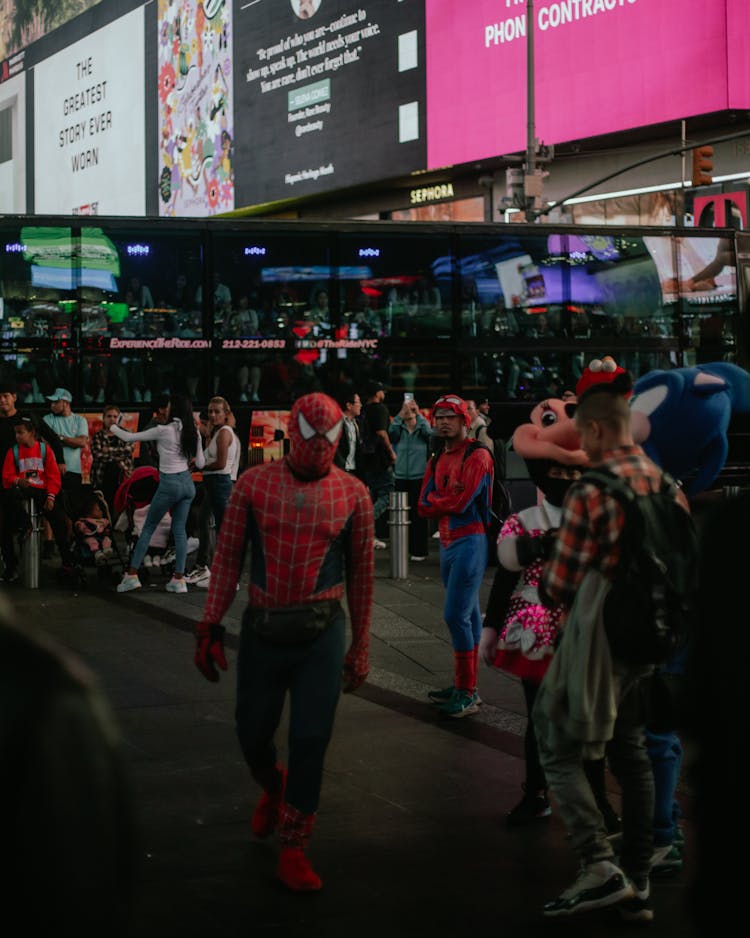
(30,470)
(591,700)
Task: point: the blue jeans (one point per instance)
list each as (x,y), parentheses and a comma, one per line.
(665,753)
(462,566)
(175,493)
(218,490)
(381,483)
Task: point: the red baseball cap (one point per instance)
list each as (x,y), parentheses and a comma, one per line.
(453,403)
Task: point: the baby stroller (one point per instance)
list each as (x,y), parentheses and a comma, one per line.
(108,562)
(131,502)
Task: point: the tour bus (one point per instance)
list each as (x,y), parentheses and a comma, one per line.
(123,310)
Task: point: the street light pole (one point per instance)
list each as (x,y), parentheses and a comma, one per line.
(530,214)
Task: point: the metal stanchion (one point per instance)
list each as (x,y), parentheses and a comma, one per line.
(30,559)
(399,531)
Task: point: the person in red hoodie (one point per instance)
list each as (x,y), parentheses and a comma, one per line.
(30,470)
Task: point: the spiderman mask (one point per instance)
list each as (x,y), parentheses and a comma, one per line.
(314,429)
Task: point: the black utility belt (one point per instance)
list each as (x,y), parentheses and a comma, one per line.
(291,625)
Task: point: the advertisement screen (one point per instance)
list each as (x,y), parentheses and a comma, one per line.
(24,23)
(600,66)
(331,94)
(89,124)
(196,124)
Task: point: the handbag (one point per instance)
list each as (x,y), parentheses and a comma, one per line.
(291,625)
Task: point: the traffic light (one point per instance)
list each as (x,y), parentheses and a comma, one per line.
(703,165)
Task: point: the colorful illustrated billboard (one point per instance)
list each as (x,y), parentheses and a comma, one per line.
(601,66)
(196,129)
(89,126)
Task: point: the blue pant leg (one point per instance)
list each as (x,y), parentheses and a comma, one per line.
(665,754)
(180,511)
(462,566)
(160,505)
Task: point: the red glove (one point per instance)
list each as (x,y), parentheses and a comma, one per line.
(356,669)
(209,650)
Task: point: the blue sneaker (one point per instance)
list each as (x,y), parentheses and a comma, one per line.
(441,696)
(462,703)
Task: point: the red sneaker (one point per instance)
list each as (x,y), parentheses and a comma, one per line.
(295,871)
(266,815)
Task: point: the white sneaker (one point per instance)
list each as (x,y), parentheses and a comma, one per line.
(155,560)
(148,561)
(196,574)
(168,557)
(379,545)
(417,558)
(177,586)
(128,582)
(436,536)
(192,544)
(204,582)
(598,885)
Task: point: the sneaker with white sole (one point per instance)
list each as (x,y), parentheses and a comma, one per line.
(597,886)
(638,908)
(197,574)
(148,561)
(177,585)
(666,860)
(463,703)
(379,545)
(204,582)
(128,582)
(417,558)
(168,556)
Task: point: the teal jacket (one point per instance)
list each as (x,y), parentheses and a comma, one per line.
(412,449)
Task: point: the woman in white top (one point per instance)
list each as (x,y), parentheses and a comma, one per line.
(177,442)
(222,457)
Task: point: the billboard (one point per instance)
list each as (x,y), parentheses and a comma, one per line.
(331,94)
(13,145)
(601,66)
(196,123)
(24,23)
(89,124)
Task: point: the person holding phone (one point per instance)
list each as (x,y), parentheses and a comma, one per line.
(410,435)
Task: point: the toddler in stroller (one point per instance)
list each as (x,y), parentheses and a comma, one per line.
(131,502)
(93,530)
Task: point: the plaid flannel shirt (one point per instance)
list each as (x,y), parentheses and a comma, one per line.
(591,524)
(107,448)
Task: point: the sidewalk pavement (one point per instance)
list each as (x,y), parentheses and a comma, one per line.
(410,838)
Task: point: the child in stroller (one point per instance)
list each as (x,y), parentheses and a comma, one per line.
(131,503)
(93,530)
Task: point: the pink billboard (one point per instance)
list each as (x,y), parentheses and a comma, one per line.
(601,66)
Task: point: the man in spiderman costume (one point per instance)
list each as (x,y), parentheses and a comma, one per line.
(309,528)
(457,489)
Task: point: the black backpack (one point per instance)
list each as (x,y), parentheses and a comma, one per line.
(650,610)
(500,505)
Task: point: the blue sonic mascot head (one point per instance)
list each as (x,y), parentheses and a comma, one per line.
(680,418)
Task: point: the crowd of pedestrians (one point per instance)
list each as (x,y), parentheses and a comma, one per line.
(311,523)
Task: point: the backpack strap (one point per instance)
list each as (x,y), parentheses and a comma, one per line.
(472,447)
(17,457)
